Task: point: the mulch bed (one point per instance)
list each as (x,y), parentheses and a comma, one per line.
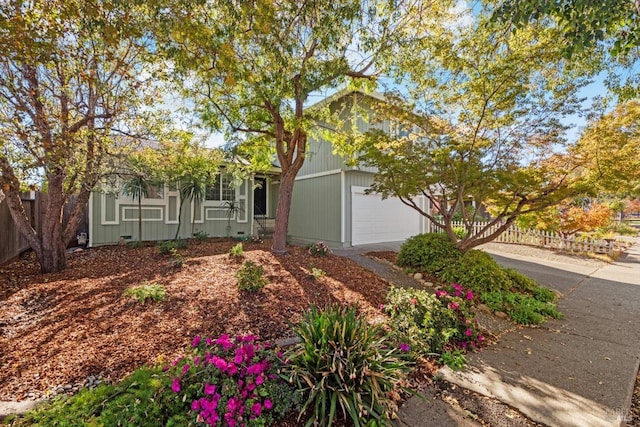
(58,329)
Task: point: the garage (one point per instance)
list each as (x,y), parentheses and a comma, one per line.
(374,220)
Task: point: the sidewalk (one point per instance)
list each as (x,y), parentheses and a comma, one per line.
(576,371)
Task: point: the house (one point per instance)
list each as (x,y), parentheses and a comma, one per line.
(329,202)
(113,217)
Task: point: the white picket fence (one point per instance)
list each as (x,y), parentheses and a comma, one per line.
(549,240)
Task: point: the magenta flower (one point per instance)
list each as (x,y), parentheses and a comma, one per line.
(268,404)
(256,408)
(196,341)
(468,332)
(175,386)
(195,405)
(209,388)
(259,379)
(469,295)
(185,368)
(404,347)
(224,341)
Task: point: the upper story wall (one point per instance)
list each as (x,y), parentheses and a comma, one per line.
(321,156)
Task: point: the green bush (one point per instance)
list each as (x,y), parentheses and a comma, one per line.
(316,273)
(318,249)
(477,271)
(345,368)
(433,323)
(460,232)
(625,229)
(165,246)
(522,309)
(146,291)
(201,235)
(134,401)
(237,250)
(429,252)
(251,277)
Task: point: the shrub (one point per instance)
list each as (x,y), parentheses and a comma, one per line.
(316,273)
(433,323)
(429,252)
(454,359)
(319,249)
(344,367)
(460,232)
(176,259)
(147,291)
(201,235)
(522,309)
(237,250)
(625,229)
(256,239)
(165,246)
(136,244)
(250,277)
(134,401)
(477,271)
(230,382)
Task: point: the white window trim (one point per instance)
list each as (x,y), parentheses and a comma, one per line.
(192,212)
(178,206)
(103,204)
(246,205)
(213,209)
(144,208)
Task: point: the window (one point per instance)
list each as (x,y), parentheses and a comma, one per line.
(221,190)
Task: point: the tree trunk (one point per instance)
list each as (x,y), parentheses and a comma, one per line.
(140,218)
(53,256)
(285,194)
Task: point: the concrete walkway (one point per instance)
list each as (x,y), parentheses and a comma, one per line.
(576,371)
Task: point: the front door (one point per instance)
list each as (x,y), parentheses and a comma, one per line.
(260,197)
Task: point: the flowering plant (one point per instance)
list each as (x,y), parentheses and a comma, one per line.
(433,323)
(319,249)
(460,301)
(231,382)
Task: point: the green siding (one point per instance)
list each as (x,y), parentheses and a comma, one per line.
(156,215)
(315,210)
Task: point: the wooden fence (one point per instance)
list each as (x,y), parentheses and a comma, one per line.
(12,243)
(551,240)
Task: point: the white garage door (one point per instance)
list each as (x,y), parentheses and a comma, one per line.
(374,220)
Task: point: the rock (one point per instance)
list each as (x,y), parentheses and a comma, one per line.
(501,315)
(417,276)
(484,308)
(16,408)
(558,294)
(430,284)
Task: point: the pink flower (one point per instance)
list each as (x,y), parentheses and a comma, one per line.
(195,405)
(381,306)
(454,306)
(414,301)
(209,388)
(480,338)
(259,379)
(404,347)
(196,341)
(268,404)
(469,295)
(232,369)
(175,362)
(224,341)
(185,368)
(468,332)
(256,408)
(175,386)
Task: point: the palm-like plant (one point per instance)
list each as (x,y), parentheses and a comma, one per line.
(137,187)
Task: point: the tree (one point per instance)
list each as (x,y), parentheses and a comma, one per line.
(137,187)
(191,167)
(70,77)
(584,23)
(480,126)
(610,151)
(254,64)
